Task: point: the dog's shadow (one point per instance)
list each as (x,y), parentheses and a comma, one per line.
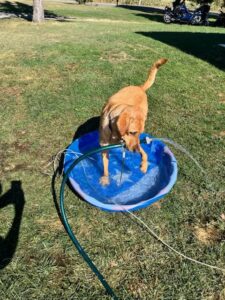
(88,126)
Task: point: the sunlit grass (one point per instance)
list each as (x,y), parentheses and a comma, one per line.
(57,75)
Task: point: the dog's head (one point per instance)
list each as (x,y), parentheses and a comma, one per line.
(130,125)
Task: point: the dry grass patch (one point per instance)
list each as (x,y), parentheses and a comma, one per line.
(220,134)
(115,57)
(53,224)
(209,234)
(138,289)
(221,98)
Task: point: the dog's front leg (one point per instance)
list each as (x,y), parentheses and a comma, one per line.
(144,160)
(105,178)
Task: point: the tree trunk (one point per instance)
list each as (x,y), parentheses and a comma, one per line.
(38,11)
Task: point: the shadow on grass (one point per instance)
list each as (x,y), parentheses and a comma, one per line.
(156,14)
(145,9)
(204,46)
(152,17)
(25,11)
(8,244)
(150,13)
(88,126)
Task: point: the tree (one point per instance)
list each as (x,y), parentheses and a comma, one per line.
(38,11)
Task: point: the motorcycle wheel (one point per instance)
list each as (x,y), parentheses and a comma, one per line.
(206,23)
(167,18)
(196,20)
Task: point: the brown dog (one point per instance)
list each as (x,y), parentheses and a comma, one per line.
(123,118)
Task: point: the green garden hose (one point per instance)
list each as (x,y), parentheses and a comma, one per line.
(68,227)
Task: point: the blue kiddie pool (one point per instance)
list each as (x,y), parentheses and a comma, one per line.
(130,191)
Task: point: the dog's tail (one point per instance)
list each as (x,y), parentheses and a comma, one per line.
(152,73)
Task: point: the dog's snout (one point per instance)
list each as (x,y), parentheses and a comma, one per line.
(136,148)
(133,147)
(131,143)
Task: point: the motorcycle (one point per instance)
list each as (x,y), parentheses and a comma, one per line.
(181,14)
(220,21)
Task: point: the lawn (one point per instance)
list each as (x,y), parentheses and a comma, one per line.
(55,77)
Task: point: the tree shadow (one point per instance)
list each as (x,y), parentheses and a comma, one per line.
(150,13)
(25,11)
(155,17)
(14,196)
(146,9)
(204,46)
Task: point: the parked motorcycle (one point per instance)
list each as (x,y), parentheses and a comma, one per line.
(181,14)
(220,21)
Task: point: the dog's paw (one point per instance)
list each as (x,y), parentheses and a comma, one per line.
(104,180)
(144,167)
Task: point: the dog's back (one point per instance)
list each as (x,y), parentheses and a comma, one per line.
(130,96)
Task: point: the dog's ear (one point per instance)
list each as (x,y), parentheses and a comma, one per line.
(123,123)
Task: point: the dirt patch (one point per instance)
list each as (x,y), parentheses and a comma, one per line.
(12,167)
(11,156)
(116,57)
(50,224)
(61,260)
(138,289)
(11,91)
(7,55)
(71,67)
(220,134)
(209,234)
(221,98)
(21,147)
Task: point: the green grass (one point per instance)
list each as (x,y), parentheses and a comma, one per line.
(57,75)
